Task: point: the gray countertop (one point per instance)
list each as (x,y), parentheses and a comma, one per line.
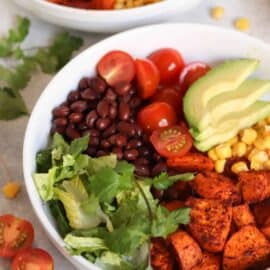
(12,133)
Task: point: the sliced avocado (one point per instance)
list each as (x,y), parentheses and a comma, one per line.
(221,79)
(232,124)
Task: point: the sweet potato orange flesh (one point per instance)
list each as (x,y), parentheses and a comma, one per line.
(261,212)
(209,262)
(242,216)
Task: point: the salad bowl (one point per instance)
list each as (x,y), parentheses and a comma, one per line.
(106,21)
(206,43)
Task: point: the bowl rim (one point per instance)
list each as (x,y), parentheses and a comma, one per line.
(50,230)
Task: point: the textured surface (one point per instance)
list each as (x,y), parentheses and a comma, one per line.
(11,133)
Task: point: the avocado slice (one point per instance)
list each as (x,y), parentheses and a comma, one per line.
(224,78)
(231,125)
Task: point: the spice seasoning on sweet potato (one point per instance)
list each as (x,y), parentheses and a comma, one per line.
(210,223)
(186,249)
(242,216)
(209,262)
(261,212)
(211,185)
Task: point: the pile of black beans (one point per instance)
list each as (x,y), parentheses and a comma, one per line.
(109,117)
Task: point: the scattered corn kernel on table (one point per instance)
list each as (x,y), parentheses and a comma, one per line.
(243,14)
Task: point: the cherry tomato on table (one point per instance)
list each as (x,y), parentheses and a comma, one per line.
(33,259)
(147,78)
(191,73)
(117,68)
(173,141)
(15,235)
(156,115)
(169,63)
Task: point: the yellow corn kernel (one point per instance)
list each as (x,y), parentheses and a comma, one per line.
(223,151)
(248,135)
(217,13)
(267,120)
(261,123)
(257,166)
(212,154)
(232,140)
(258,156)
(266,165)
(11,189)
(239,149)
(262,143)
(239,166)
(220,165)
(242,24)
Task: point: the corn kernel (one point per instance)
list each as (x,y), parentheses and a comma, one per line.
(239,149)
(238,167)
(248,135)
(11,190)
(261,123)
(220,165)
(266,165)
(212,154)
(232,140)
(242,24)
(257,166)
(267,120)
(258,156)
(262,143)
(223,151)
(217,13)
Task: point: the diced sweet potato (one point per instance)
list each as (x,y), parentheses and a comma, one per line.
(209,262)
(173,205)
(245,248)
(186,249)
(266,231)
(261,212)
(161,258)
(210,223)
(255,186)
(178,191)
(211,185)
(242,216)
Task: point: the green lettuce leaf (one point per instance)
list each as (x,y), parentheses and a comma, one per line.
(44,160)
(96,164)
(78,146)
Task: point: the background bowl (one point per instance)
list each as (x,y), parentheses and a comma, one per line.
(196,42)
(106,21)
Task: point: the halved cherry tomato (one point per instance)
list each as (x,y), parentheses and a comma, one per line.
(117,68)
(15,235)
(33,259)
(147,78)
(169,63)
(191,73)
(170,96)
(93,4)
(105,4)
(156,115)
(172,141)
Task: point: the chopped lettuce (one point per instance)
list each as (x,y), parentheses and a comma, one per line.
(97,164)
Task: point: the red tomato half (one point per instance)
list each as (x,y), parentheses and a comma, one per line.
(33,259)
(169,63)
(170,96)
(147,78)
(156,115)
(15,235)
(117,68)
(191,73)
(173,141)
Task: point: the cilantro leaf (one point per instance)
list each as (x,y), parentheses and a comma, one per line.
(44,160)
(11,104)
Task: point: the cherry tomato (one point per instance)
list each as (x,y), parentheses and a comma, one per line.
(169,63)
(191,73)
(117,68)
(15,235)
(33,259)
(147,78)
(156,115)
(170,96)
(172,141)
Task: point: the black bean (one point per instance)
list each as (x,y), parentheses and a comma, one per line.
(97,84)
(72,132)
(83,83)
(101,153)
(86,132)
(120,140)
(142,170)
(126,128)
(144,151)
(82,126)
(75,117)
(142,161)
(91,151)
(159,168)
(134,143)
(135,102)
(126,98)
(60,121)
(112,139)
(124,111)
(118,151)
(110,95)
(105,144)
(113,111)
(122,89)
(94,132)
(157,157)
(131,154)
(89,94)
(79,106)
(139,130)
(74,96)
(102,124)
(103,108)
(158,194)
(61,111)
(58,129)
(91,118)
(93,141)
(109,131)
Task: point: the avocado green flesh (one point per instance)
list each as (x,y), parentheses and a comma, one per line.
(232,124)
(224,78)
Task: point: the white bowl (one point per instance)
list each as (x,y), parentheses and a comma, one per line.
(196,42)
(106,21)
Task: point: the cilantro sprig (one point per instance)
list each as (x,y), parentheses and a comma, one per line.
(19,64)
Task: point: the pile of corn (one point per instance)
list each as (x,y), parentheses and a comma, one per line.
(251,143)
(121,4)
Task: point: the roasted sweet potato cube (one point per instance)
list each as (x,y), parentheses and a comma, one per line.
(186,249)
(242,216)
(261,212)
(255,186)
(209,262)
(266,231)
(211,185)
(210,223)
(245,248)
